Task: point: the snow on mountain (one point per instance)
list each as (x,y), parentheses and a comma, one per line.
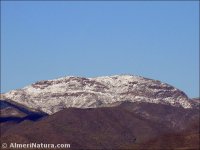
(51,96)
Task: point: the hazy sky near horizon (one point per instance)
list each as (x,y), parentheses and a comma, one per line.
(47,40)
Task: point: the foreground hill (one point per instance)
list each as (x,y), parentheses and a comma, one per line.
(126,126)
(13,113)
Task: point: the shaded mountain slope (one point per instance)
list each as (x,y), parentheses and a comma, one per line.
(127,126)
(12,114)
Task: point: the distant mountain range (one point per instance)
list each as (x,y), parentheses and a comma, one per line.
(111,112)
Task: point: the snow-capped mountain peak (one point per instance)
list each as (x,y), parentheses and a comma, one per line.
(51,96)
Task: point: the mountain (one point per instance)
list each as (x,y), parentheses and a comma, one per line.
(13,113)
(110,112)
(195,103)
(51,96)
(14,109)
(125,126)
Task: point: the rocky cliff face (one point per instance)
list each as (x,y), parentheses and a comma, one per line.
(51,96)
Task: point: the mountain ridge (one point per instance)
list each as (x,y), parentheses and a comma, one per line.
(51,96)
(126,126)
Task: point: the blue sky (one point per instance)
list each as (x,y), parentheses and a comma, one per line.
(47,40)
